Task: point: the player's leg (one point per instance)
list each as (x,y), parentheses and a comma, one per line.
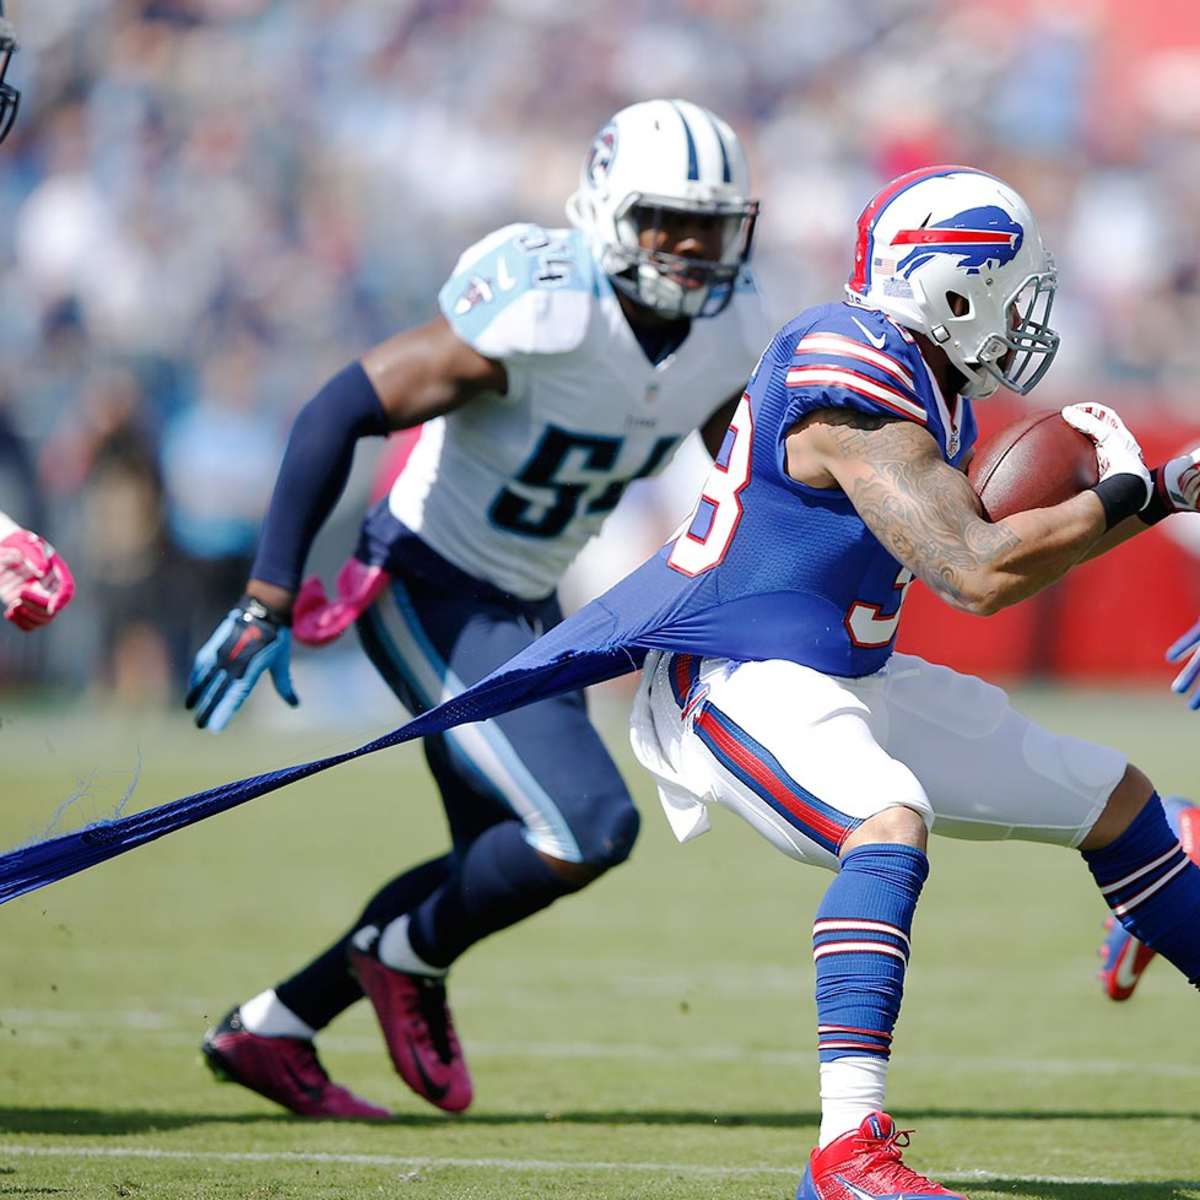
(1124,959)
(1146,877)
(266,1042)
(795,754)
(535,804)
(991,772)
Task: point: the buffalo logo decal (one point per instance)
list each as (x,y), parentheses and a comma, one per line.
(977,237)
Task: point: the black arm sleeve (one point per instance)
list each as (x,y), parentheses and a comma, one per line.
(314,471)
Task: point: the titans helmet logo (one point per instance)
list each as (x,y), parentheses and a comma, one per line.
(978,238)
(600,157)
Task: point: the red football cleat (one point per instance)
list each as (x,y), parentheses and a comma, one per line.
(282,1069)
(1125,959)
(418,1030)
(865,1164)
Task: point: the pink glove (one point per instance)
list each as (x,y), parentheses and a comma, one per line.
(316,619)
(35,582)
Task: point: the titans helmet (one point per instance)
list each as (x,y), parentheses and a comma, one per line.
(955,254)
(656,168)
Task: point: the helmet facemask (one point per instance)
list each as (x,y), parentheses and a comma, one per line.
(10,98)
(1016,358)
(673,285)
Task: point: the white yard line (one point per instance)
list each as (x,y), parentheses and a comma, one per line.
(502,1164)
(50,1027)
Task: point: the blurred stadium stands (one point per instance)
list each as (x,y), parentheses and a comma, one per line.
(210,205)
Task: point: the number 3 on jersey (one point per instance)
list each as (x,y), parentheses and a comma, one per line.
(705,539)
(868,625)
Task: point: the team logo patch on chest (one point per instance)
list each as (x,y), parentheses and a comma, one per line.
(478,291)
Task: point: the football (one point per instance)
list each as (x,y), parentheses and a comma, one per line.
(1033,463)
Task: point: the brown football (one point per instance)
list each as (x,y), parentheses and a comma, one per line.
(1034,463)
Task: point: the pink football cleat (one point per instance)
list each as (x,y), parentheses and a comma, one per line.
(418,1030)
(282,1069)
(865,1164)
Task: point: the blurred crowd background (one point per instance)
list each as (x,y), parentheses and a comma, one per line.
(208,206)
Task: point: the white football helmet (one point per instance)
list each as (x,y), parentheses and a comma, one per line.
(956,254)
(665,165)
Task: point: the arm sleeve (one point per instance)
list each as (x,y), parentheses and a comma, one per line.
(316,465)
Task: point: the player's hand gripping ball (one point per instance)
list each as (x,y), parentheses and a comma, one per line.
(1037,462)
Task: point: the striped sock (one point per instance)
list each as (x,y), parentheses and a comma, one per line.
(861,947)
(1153,888)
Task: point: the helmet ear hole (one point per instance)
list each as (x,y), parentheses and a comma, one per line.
(959,305)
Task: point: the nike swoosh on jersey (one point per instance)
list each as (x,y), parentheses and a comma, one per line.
(878,341)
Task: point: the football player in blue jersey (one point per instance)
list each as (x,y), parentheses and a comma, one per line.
(35,582)
(766,631)
(564,364)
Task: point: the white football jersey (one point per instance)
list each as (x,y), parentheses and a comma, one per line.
(510,488)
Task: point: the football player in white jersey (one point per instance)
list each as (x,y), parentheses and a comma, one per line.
(564,364)
(35,581)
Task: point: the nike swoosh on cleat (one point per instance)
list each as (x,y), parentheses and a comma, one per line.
(308,1089)
(859,1194)
(878,341)
(433,1090)
(1124,974)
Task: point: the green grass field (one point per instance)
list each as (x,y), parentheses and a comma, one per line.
(650,1038)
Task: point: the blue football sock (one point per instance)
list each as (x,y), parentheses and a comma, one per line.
(1153,888)
(500,879)
(861,946)
(324,988)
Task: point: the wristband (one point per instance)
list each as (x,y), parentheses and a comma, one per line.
(1123,495)
(262,612)
(1160,503)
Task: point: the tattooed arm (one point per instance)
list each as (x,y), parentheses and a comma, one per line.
(928,517)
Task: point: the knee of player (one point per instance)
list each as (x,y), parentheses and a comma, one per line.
(1125,802)
(900,825)
(607,844)
(612,835)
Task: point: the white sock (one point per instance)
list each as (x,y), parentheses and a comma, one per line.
(851,1088)
(395,951)
(268,1016)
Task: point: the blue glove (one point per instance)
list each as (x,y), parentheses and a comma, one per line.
(1182,682)
(249,641)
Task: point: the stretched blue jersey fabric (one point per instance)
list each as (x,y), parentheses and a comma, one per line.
(771,568)
(767,568)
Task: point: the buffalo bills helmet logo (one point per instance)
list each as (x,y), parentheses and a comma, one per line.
(977,237)
(600,157)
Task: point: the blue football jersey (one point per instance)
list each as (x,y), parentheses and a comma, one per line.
(771,568)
